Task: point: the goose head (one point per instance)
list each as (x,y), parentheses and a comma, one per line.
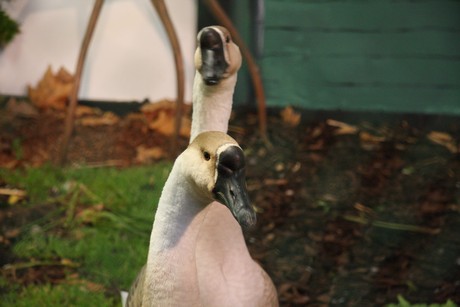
(217,57)
(215,167)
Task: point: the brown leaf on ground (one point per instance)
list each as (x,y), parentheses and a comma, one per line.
(82,111)
(53,90)
(12,233)
(366,137)
(8,162)
(161,117)
(149,154)
(433,208)
(15,192)
(14,195)
(89,215)
(290,116)
(21,109)
(151,110)
(164,124)
(107,119)
(443,139)
(341,127)
(369,141)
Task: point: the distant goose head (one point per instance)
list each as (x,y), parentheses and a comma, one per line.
(215,167)
(217,57)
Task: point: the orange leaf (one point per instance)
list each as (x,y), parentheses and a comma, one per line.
(53,90)
(107,119)
(342,128)
(443,139)
(290,117)
(148,154)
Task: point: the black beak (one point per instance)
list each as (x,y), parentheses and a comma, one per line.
(230,188)
(213,57)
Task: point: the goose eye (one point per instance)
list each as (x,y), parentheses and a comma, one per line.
(206,156)
(227,39)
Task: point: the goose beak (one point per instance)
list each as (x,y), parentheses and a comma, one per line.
(230,188)
(213,60)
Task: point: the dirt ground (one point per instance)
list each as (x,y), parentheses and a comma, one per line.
(354,209)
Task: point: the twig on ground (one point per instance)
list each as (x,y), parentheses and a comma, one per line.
(26,265)
(391,225)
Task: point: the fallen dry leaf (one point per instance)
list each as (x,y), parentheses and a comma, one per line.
(301,299)
(324,298)
(81,111)
(161,117)
(21,108)
(152,109)
(12,233)
(341,128)
(10,164)
(16,192)
(443,139)
(284,287)
(290,117)
(107,119)
(89,215)
(369,141)
(14,195)
(369,138)
(68,262)
(53,90)
(164,124)
(148,154)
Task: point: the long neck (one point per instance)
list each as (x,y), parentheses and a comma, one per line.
(171,277)
(212,105)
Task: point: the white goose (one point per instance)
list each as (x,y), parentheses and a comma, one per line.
(211,168)
(217,61)
(221,242)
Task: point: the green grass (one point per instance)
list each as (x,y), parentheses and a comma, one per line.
(58,295)
(402,302)
(96,222)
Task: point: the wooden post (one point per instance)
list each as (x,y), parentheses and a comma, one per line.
(162,11)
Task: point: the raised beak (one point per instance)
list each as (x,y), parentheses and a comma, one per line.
(230,188)
(213,65)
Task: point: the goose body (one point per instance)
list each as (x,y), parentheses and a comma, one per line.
(211,168)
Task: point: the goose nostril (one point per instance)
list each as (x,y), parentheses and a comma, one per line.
(211,81)
(232,193)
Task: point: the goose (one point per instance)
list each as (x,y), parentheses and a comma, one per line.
(221,242)
(217,61)
(211,168)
